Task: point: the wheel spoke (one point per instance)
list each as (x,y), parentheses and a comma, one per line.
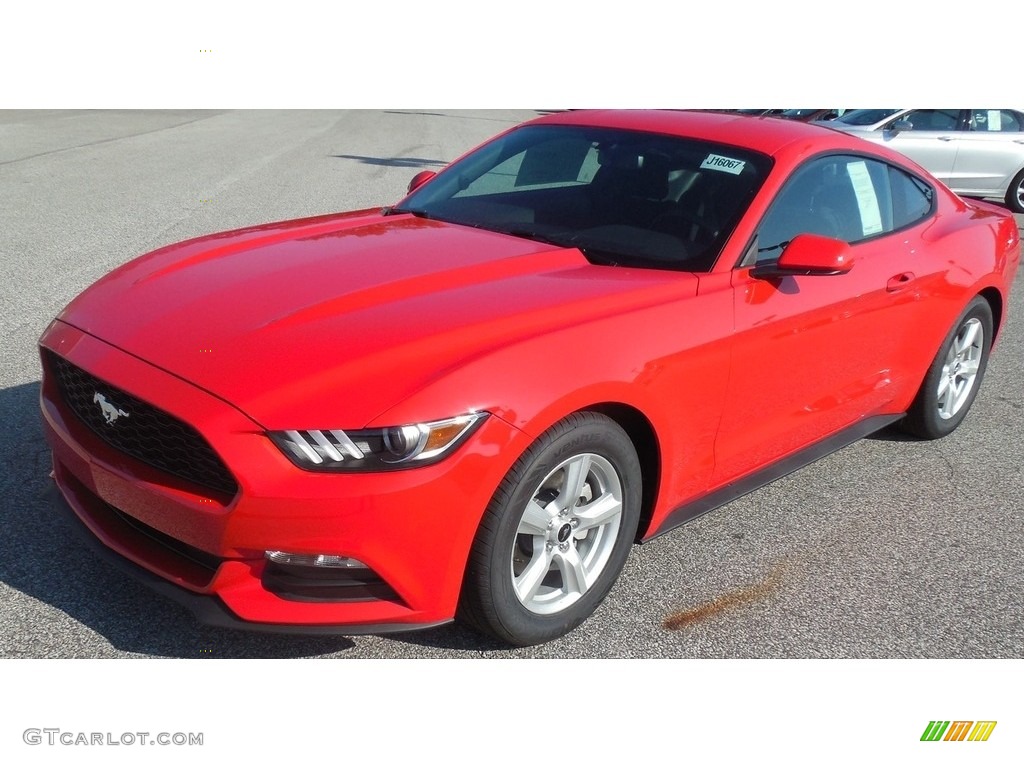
(575,577)
(970,334)
(953,400)
(943,386)
(528,582)
(969,368)
(598,512)
(575,479)
(946,408)
(535,519)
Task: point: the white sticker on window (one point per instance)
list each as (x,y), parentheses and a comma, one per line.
(727,164)
(995,120)
(867,199)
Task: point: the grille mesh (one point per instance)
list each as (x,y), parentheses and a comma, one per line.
(146,433)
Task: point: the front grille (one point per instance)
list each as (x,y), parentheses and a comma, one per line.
(139,429)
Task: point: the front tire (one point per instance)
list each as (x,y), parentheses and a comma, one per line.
(1015,193)
(955,375)
(556,533)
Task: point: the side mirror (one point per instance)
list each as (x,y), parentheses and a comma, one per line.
(900,126)
(809,255)
(420,179)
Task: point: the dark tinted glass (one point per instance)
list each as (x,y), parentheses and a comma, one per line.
(933,119)
(622,197)
(995,121)
(911,198)
(865,116)
(845,197)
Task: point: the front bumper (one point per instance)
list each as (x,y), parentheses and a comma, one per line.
(206,608)
(413,528)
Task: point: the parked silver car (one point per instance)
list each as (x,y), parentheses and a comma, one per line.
(862,119)
(976,152)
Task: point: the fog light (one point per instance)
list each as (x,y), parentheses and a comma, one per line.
(313,561)
(322,579)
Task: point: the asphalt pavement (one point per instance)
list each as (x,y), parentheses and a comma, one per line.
(890,548)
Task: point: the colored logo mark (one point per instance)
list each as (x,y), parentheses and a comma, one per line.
(958,730)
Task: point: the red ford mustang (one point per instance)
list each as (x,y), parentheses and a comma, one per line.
(585,332)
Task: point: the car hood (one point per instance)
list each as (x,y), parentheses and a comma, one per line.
(328,322)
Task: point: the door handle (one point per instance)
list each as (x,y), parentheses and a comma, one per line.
(945,138)
(898,282)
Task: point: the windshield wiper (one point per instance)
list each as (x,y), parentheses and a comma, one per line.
(391,210)
(594,254)
(532,234)
(602,257)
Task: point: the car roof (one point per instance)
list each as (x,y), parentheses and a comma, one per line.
(787,141)
(768,135)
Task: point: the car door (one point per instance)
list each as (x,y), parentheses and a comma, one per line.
(815,354)
(930,137)
(990,153)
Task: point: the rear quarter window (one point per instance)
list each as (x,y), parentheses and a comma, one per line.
(911,198)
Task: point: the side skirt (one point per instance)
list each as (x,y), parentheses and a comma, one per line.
(734,490)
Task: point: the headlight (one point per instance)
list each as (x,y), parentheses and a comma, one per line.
(375,450)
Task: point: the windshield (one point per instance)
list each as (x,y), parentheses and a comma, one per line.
(865,116)
(621,197)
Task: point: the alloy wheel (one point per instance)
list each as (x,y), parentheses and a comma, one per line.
(566,534)
(960,370)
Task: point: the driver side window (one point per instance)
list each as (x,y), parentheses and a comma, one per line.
(932,120)
(844,197)
(830,196)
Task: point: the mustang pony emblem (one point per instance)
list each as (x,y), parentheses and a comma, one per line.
(110,411)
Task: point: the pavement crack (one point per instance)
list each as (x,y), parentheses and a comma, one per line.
(107,141)
(950,469)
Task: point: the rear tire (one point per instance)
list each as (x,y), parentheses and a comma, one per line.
(955,375)
(556,533)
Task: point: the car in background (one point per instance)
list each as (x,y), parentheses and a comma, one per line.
(975,152)
(862,119)
(802,115)
(589,330)
(754,112)
(810,115)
